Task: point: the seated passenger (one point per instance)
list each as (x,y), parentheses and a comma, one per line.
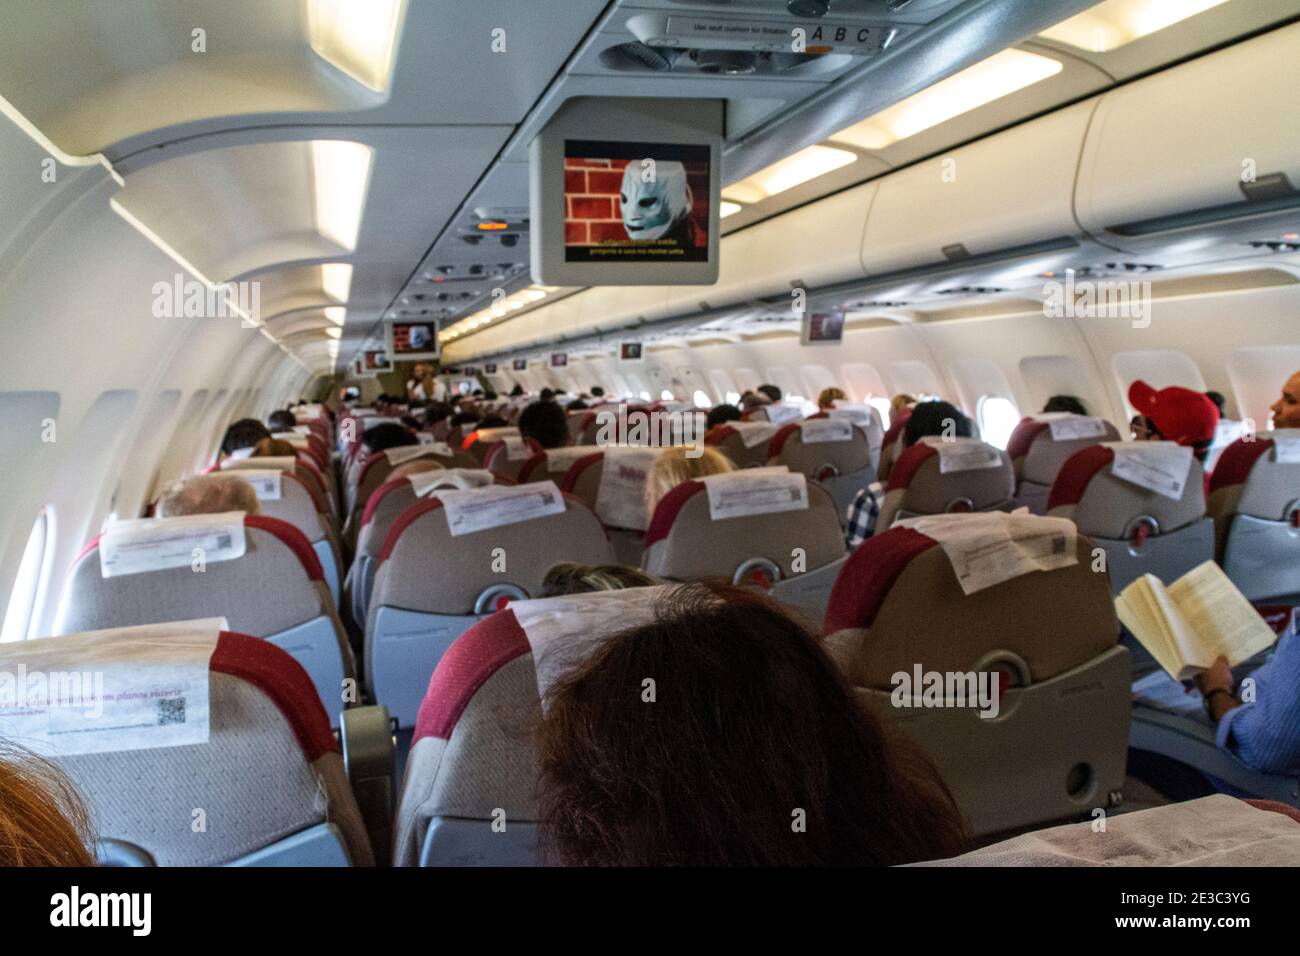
(1263,733)
(597,392)
(576,405)
(435,413)
(675,466)
(935,418)
(242,435)
(1065,403)
(545,423)
(752,400)
(379,438)
(721,414)
(281,421)
(1286,410)
(517,391)
(273,448)
(828,397)
(208,495)
(754,751)
(546,395)
(1220,402)
(771,391)
(899,402)
(570,578)
(43,820)
(1174,414)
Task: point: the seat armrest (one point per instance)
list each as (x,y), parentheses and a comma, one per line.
(366,736)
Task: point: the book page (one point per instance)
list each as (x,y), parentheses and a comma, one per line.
(1142,613)
(1224,622)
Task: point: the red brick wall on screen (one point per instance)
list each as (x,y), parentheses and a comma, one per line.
(591,213)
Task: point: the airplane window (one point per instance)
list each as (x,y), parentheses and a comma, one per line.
(881,405)
(666,396)
(733,398)
(22,598)
(645,396)
(998,418)
(702,399)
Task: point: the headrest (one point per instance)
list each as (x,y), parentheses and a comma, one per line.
(141,545)
(1264,472)
(558,633)
(822,447)
(425,483)
(271,587)
(751,434)
(1104,501)
(430,569)
(278,462)
(898,602)
(1218,830)
(933,474)
(1041,444)
(689,538)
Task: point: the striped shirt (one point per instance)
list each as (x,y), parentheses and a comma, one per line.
(1265,734)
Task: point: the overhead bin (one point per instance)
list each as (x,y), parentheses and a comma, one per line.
(1209,149)
(1011,190)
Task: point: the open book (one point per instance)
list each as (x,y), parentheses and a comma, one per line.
(1187,625)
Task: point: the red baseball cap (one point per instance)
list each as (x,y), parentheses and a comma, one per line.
(1181,414)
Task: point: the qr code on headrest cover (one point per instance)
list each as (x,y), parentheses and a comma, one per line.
(171,710)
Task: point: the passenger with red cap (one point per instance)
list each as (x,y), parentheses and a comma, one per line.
(1175,414)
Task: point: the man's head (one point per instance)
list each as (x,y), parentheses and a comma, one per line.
(245,433)
(545,423)
(771,391)
(941,419)
(546,395)
(752,400)
(1286,410)
(281,421)
(721,414)
(1175,414)
(388,435)
(208,495)
(597,392)
(1065,403)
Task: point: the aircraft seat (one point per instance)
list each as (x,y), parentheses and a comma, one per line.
(300,507)
(892,443)
(1058,745)
(375,470)
(793,554)
(833,452)
(745,443)
(431,585)
(506,456)
(925,481)
(1255,504)
(270,780)
(1213,831)
(617,497)
(477,442)
(276,591)
(473,762)
(1040,446)
(1141,530)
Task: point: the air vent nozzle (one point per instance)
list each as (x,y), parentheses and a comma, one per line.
(660,59)
(725,62)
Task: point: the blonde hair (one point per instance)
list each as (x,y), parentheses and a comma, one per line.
(829,396)
(901,401)
(273,448)
(570,578)
(43,819)
(208,494)
(676,465)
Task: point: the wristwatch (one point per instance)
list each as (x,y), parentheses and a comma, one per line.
(1209,697)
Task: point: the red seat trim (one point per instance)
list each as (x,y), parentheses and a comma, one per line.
(472,658)
(283,679)
(670,505)
(291,536)
(1237,462)
(1076,473)
(905,468)
(868,575)
(1022,439)
(777,441)
(372,503)
(570,479)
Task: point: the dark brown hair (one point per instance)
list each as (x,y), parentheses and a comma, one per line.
(751,724)
(43,821)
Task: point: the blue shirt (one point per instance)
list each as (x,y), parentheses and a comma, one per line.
(1265,735)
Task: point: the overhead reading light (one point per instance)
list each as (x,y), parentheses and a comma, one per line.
(341,177)
(728,209)
(787,173)
(336,280)
(1115,23)
(358,37)
(986,81)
